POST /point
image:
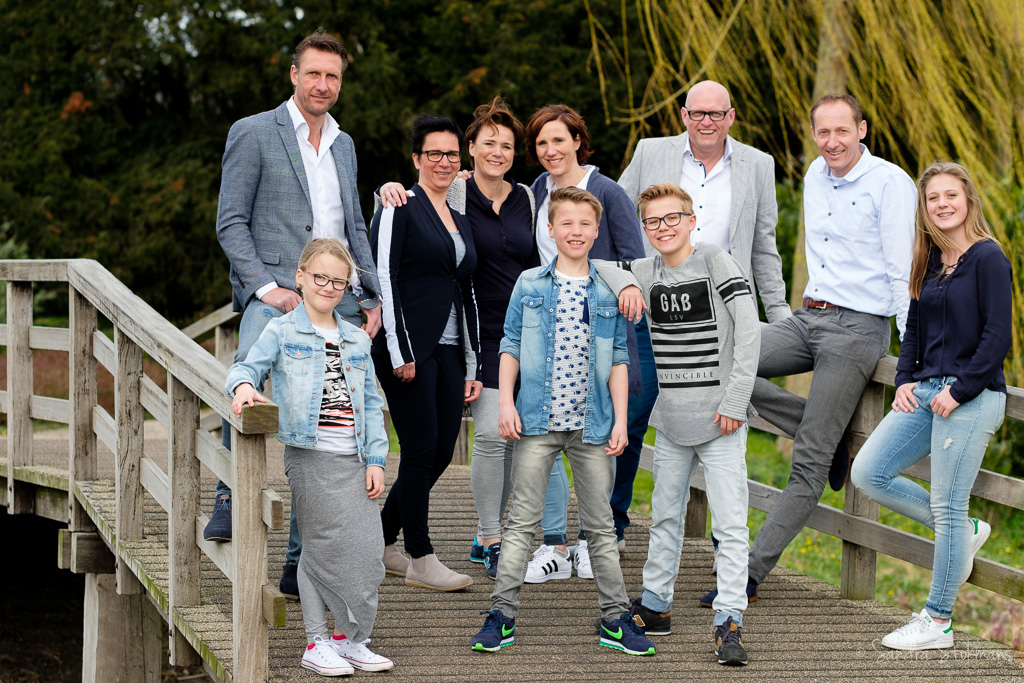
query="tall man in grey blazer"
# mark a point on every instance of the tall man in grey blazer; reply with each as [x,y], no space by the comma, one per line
[289,176]
[733,191]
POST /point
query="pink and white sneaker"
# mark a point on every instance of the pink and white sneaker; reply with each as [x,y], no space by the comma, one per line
[322,658]
[360,656]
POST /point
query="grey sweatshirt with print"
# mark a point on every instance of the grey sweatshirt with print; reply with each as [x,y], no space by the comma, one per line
[705,334]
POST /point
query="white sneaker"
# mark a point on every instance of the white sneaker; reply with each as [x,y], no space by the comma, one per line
[321,657]
[360,656]
[582,561]
[547,564]
[980,531]
[922,633]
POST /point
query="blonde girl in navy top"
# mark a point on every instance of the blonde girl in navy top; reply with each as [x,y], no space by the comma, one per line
[950,391]
[332,426]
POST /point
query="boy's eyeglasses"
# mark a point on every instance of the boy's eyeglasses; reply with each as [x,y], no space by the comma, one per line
[670,219]
[434,155]
[321,280]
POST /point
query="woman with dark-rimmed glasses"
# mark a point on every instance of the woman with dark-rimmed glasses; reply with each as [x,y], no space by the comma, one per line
[501,214]
[426,360]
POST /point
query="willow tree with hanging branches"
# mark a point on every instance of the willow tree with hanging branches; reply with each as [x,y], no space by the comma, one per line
[936,80]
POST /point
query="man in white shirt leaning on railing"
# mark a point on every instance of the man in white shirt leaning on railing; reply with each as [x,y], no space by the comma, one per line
[859,226]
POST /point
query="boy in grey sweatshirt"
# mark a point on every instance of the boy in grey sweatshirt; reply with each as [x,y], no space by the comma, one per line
[706,339]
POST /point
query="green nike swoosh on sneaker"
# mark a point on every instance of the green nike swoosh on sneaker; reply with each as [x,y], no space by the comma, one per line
[506,632]
[614,634]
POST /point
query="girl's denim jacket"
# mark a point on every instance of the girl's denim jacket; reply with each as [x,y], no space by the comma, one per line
[529,337]
[291,350]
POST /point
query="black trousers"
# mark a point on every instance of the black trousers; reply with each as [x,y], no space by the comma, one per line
[427,414]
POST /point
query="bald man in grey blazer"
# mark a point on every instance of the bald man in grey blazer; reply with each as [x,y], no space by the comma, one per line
[732,185]
[733,191]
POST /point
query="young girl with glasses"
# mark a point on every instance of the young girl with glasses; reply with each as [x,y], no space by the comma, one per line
[332,426]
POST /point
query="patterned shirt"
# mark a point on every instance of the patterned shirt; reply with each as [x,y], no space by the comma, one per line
[572,355]
[336,424]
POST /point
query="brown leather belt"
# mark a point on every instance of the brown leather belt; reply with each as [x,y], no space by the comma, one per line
[811,303]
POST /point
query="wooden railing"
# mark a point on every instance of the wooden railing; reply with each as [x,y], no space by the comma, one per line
[857,523]
[193,377]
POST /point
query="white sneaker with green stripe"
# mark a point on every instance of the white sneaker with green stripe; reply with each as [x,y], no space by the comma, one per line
[980,531]
[922,633]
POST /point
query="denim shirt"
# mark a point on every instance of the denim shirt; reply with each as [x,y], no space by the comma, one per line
[295,355]
[529,337]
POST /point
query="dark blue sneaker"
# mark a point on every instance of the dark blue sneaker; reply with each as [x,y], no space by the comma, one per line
[491,560]
[497,632]
[623,634]
[729,644]
[477,551]
[839,471]
[709,599]
[290,580]
[219,526]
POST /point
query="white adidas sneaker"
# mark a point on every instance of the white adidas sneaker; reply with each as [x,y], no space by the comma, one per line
[922,633]
[547,564]
[582,561]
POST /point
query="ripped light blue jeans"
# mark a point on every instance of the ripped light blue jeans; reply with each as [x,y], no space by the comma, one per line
[957,445]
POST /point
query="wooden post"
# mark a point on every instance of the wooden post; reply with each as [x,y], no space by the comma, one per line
[82,379]
[184,554]
[859,563]
[128,415]
[19,394]
[461,455]
[249,538]
[696,524]
[225,343]
[121,635]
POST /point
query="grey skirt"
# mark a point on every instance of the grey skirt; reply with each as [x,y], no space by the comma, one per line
[342,541]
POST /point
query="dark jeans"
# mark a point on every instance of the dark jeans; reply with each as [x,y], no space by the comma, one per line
[427,414]
[639,415]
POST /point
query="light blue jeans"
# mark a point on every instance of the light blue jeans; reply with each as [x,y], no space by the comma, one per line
[725,473]
[957,445]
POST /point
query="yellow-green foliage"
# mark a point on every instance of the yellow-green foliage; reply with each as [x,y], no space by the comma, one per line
[937,81]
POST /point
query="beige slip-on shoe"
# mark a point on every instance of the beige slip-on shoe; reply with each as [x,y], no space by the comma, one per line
[428,572]
[395,561]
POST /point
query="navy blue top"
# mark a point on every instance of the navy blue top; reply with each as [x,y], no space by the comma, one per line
[961,324]
[619,235]
[505,247]
[619,238]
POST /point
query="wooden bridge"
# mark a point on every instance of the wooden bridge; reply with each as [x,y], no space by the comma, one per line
[132,493]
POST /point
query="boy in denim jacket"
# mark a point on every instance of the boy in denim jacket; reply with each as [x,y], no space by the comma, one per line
[565,337]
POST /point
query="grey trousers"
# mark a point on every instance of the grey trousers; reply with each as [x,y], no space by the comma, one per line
[342,543]
[491,467]
[842,347]
[593,475]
